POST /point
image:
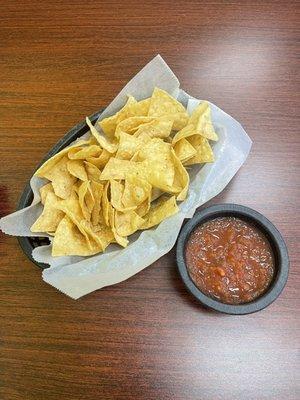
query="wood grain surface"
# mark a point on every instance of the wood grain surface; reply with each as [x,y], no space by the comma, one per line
[147,338]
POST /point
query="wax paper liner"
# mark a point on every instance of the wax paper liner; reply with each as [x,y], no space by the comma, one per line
[78,276]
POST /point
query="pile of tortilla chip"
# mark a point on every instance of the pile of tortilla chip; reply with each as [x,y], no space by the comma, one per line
[126,177]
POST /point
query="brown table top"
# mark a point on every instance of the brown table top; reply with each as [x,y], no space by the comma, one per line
[147,338]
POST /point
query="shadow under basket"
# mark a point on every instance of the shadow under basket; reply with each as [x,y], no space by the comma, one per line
[29,243]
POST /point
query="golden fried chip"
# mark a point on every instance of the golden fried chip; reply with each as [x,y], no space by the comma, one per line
[71,204]
[122,241]
[126,223]
[162,209]
[130,125]
[139,109]
[204,151]
[72,209]
[201,120]
[160,176]
[111,147]
[143,208]
[50,217]
[136,191]
[44,190]
[109,124]
[82,153]
[159,127]
[49,164]
[76,168]
[181,178]
[117,169]
[86,199]
[116,193]
[101,235]
[101,160]
[163,104]
[69,240]
[155,149]
[184,150]
[97,190]
[93,173]
[184,133]
[106,206]
[197,141]
[129,145]
[157,163]
[62,180]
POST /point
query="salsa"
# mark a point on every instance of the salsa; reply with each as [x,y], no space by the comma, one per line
[230,260]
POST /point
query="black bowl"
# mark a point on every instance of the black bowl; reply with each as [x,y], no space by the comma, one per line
[264,225]
[29,243]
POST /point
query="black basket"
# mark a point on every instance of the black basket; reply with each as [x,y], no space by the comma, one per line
[29,243]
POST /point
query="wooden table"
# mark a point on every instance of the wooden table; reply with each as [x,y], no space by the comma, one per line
[147,338]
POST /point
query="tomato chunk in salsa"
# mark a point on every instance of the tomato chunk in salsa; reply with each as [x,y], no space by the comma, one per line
[229,260]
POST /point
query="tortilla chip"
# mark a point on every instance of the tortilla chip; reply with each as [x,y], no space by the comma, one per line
[86,199]
[122,241]
[76,168]
[111,147]
[181,178]
[106,204]
[109,124]
[116,193]
[49,164]
[69,240]
[139,109]
[184,150]
[130,125]
[97,190]
[126,223]
[93,173]
[154,149]
[101,160]
[129,145]
[143,208]
[44,190]
[117,169]
[157,163]
[184,133]
[101,235]
[71,207]
[162,209]
[204,151]
[163,104]
[73,210]
[82,153]
[50,217]
[159,127]
[201,120]
[136,191]
[62,180]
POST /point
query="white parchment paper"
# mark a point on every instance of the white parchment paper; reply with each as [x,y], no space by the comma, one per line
[77,276]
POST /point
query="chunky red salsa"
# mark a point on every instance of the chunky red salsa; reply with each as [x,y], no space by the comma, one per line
[230,260]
